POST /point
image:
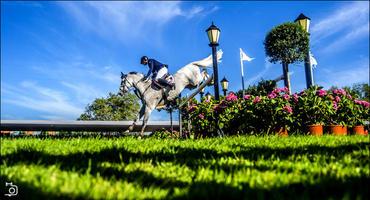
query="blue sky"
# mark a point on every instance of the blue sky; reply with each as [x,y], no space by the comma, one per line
[56,57]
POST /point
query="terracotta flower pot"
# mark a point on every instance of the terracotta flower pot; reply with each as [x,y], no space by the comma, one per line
[358,130]
[338,129]
[282,131]
[316,130]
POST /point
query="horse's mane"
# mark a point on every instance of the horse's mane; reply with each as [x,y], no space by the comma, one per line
[135,73]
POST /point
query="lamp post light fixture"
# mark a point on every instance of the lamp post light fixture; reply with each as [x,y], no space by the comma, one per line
[213,35]
[201,92]
[208,96]
[304,22]
[224,85]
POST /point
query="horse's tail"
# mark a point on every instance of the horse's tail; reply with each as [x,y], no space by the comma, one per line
[207,62]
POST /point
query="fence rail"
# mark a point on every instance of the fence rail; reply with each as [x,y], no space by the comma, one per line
[46,125]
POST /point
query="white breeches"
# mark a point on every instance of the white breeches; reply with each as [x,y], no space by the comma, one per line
[161,73]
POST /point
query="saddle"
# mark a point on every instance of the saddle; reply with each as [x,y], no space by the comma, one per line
[161,83]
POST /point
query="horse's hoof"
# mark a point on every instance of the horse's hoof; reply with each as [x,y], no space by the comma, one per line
[127,131]
[139,137]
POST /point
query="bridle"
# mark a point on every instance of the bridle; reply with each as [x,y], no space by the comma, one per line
[129,85]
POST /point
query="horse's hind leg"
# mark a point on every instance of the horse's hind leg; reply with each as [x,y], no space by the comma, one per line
[139,116]
[145,120]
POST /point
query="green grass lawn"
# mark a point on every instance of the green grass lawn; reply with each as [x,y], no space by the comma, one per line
[250,167]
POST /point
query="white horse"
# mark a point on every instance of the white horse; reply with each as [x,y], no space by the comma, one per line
[189,76]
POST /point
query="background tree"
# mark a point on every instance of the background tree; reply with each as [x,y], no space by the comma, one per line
[287,43]
[357,90]
[112,108]
[362,90]
[263,87]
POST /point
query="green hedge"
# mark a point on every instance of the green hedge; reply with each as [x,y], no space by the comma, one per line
[267,113]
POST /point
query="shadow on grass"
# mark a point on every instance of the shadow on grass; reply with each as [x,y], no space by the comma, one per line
[30,192]
[327,188]
[195,158]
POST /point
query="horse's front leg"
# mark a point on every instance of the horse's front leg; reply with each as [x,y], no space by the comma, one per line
[147,113]
[139,116]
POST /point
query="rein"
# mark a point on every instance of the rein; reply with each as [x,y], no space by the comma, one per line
[133,85]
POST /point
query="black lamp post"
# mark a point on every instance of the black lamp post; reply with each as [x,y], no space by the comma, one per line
[213,35]
[304,21]
[224,85]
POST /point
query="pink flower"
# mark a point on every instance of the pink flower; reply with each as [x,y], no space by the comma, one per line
[337,99]
[220,106]
[286,97]
[363,103]
[276,90]
[321,93]
[340,92]
[295,97]
[349,96]
[366,104]
[207,100]
[288,109]
[231,97]
[192,108]
[285,89]
[201,116]
[247,96]
[335,105]
[256,99]
[272,95]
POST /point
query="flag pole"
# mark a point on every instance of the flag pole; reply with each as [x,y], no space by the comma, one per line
[242,71]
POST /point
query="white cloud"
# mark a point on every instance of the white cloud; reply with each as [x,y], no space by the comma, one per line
[348,23]
[83,92]
[79,84]
[128,20]
[349,38]
[35,97]
[332,77]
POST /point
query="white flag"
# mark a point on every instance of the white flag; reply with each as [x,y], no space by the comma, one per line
[313,61]
[243,56]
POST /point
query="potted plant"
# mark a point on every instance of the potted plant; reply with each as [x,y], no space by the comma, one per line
[341,109]
[311,108]
[279,110]
[360,112]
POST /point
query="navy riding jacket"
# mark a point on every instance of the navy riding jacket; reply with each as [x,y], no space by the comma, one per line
[154,67]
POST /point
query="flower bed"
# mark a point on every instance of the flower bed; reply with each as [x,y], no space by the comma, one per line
[276,110]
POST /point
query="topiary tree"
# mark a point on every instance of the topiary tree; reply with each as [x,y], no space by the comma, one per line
[287,43]
[112,108]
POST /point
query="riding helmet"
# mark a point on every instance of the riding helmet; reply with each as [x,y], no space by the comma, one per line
[143,59]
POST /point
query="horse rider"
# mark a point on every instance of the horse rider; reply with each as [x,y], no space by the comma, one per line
[157,69]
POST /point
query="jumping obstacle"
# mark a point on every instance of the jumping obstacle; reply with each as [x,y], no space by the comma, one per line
[47,125]
[203,85]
